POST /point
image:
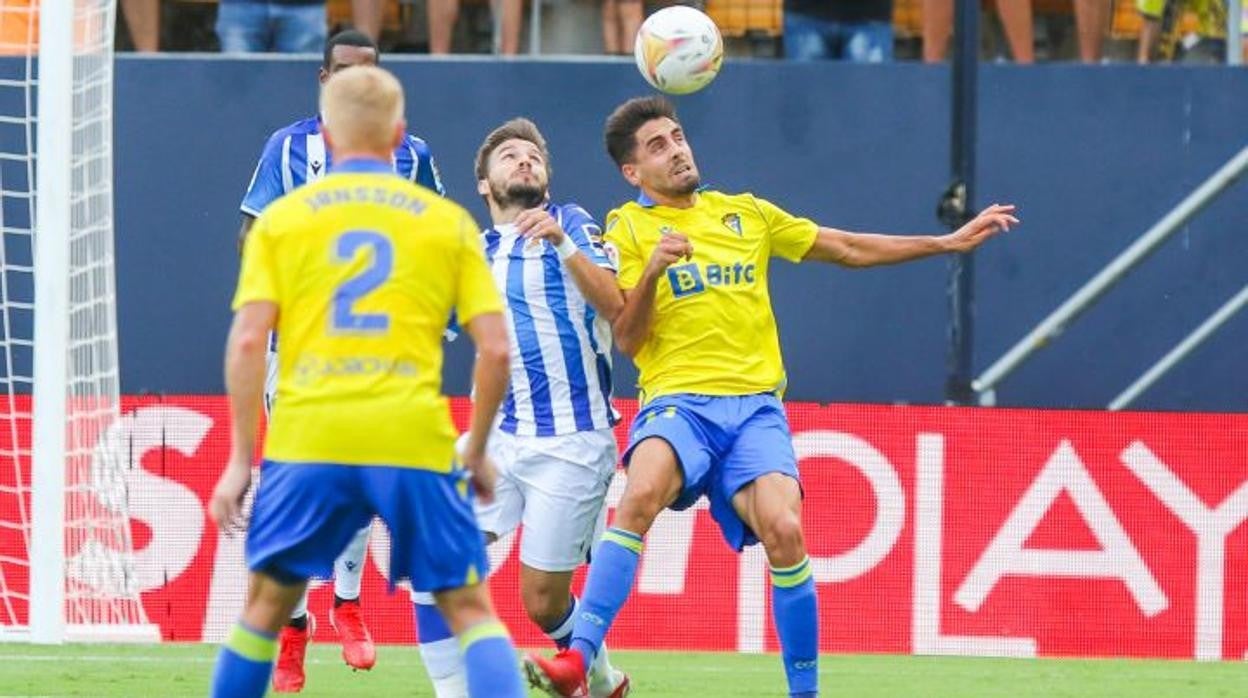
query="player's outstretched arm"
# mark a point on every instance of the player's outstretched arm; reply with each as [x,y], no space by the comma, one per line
[244,382]
[633,324]
[490,374]
[595,283]
[870,250]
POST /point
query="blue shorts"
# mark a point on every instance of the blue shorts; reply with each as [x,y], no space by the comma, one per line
[722,445]
[306,513]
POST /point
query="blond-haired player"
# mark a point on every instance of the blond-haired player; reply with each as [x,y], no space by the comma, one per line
[370,268]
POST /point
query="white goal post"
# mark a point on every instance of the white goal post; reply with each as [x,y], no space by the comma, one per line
[66,552]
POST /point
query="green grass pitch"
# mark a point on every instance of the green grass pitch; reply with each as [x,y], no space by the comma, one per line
[171,670]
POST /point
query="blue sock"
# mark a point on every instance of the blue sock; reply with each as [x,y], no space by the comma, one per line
[430,625]
[244,663]
[561,633]
[796,611]
[490,662]
[610,581]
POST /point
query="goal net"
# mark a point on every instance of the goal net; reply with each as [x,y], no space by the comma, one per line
[66,554]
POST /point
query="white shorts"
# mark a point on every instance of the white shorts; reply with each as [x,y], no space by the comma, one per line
[556,486]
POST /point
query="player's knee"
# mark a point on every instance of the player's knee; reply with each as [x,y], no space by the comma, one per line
[782,536]
[639,506]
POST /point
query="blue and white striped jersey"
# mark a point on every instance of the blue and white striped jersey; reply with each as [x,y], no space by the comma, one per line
[296,155]
[560,348]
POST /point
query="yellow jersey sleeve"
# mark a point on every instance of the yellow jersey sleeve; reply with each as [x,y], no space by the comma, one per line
[476,293]
[621,248]
[791,237]
[257,280]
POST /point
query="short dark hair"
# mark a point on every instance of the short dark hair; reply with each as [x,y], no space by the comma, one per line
[348,37]
[518,127]
[622,125]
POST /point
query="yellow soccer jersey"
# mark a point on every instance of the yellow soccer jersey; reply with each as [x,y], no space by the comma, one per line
[366,268]
[713,331]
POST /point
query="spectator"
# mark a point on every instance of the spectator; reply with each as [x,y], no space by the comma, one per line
[860,31]
[1160,36]
[271,26]
[1015,18]
[143,23]
[620,21]
[444,13]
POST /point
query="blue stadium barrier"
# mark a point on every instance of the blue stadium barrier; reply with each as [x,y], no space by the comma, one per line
[1093,156]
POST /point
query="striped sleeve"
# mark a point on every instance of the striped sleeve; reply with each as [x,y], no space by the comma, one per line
[424,171]
[586,233]
[267,181]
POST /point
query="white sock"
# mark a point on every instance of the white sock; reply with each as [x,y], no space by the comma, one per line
[601,673]
[422,598]
[301,606]
[445,668]
[564,630]
[349,567]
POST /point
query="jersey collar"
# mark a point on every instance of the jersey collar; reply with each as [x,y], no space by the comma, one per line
[364,165]
[646,202]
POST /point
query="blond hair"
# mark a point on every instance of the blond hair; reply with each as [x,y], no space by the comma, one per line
[362,106]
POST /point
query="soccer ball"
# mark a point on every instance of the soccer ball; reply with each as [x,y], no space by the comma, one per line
[678,50]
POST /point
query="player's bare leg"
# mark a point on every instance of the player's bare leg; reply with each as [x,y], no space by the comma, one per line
[772,507]
[246,657]
[358,650]
[654,482]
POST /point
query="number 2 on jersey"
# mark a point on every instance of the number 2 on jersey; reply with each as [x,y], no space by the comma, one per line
[345,319]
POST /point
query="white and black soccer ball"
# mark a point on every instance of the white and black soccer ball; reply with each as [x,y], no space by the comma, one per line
[679,50]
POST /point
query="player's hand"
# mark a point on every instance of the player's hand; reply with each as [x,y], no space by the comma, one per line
[672,248]
[483,475]
[226,506]
[538,224]
[997,218]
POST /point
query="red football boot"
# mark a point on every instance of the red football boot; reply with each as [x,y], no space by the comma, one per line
[288,676]
[358,649]
[562,676]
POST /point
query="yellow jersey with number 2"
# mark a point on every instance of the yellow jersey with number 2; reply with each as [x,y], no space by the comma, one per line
[365,268]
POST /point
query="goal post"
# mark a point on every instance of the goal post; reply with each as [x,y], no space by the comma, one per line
[67,563]
[53,170]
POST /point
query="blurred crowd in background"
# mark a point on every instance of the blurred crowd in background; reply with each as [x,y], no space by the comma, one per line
[872,31]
